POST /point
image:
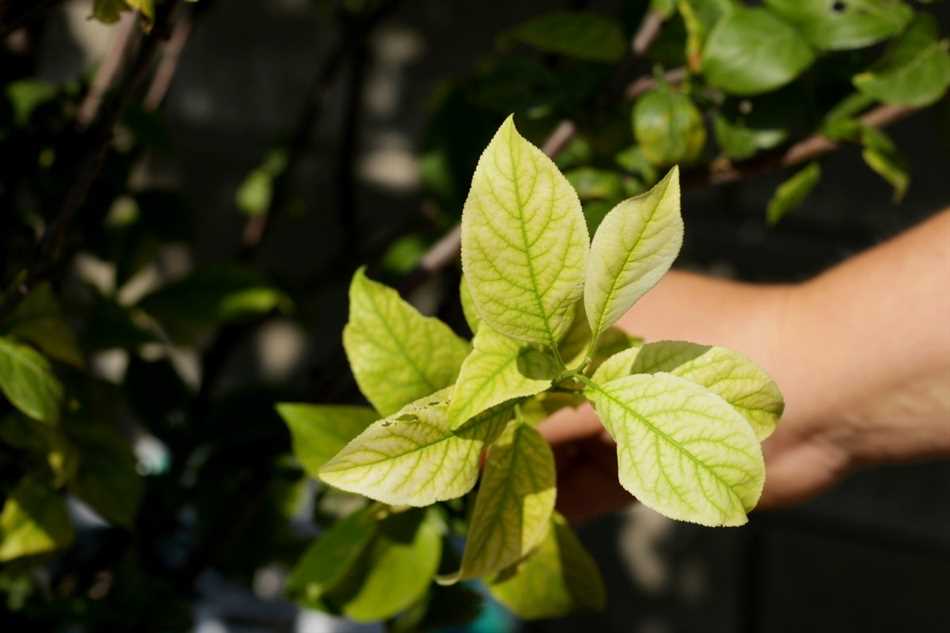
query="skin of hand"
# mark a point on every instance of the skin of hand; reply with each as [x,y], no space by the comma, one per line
[861,354]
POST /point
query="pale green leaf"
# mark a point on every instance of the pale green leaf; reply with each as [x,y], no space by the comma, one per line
[39,320]
[681,450]
[845,24]
[582,35]
[497,370]
[557,579]
[468,308]
[27,381]
[524,241]
[577,339]
[914,70]
[319,431]
[882,156]
[726,373]
[668,127]
[414,457]
[331,557]
[34,521]
[633,248]
[751,51]
[397,355]
[791,194]
[396,570]
[514,504]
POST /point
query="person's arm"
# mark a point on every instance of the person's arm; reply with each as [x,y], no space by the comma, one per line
[861,353]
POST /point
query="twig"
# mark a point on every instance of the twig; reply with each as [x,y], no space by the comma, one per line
[648,32]
[803,151]
[170,56]
[649,82]
[92,144]
[126,38]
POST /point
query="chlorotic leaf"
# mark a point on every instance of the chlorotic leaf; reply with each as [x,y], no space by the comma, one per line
[681,449]
[633,248]
[493,373]
[514,503]
[914,70]
[577,339]
[846,24]
[578,34]
[559,578]
[319,431]
[396,569]
[331,557]
[39,320]
[751,51]
[791,194]
[726,373]
[397,355]
[34,521]
[468,308]
[27,381]
[617,366]
[413,457]
[524,241]
[668,127]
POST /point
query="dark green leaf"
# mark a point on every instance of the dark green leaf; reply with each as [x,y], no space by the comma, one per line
[39,320]
[739,140]
[844,24]
[792,193]
[914,70]
[107,478]
[751,51]
[577,34]
[26,95]
[27,381]
[668,127]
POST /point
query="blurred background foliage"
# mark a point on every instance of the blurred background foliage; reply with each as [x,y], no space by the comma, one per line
[187,188]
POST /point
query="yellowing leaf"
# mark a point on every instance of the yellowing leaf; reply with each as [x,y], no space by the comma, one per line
[557,579]
[413,457]
[633,248]
[397,355]
[493,373]
[617,366]
[319,431]
[34,521]
[524,241]
[681,449]
[513,508]
[668,127]
[27,381]
[726,373]
[468,308]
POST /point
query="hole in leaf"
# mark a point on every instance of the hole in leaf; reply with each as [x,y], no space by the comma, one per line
[839,6]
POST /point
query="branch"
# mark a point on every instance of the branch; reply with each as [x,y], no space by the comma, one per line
[92,143]
[648,32]
[803,151]
[649,82]
[446,250]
